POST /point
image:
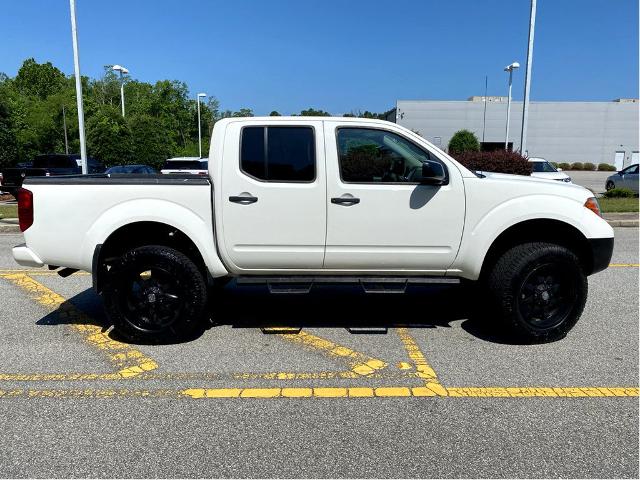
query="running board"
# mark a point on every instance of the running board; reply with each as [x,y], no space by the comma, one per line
[300,284]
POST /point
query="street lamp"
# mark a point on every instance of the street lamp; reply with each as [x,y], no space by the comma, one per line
[510,69]
[122,70]
[198,97]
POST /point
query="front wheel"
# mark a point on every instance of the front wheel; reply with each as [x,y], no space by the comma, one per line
[156,294]
[610,185]
[538,291]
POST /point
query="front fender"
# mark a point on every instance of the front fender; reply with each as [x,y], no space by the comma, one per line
[198,228]
[480,234]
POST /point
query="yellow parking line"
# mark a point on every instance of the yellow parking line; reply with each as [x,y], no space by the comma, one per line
[359,363]
[129,361]
[330,392]
[624,265]
[423,369]
[42,272]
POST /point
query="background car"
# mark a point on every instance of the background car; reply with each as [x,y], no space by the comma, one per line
[190,165]
[543,169]
[131,169]
[48,165]
[627,178]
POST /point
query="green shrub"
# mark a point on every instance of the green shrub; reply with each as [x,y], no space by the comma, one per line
[500,161]
[564,166]
[463,141]
[619,193]
[605,167]
[577,166]
[589,166]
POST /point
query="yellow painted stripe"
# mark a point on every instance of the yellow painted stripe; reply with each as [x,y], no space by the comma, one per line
[40,272]
[423,368]
[129,361]
[331,392]
[624,265]
[359,363]
[543,392]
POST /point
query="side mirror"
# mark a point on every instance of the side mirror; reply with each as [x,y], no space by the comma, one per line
[433,173]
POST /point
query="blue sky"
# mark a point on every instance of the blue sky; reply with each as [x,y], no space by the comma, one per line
[337,55]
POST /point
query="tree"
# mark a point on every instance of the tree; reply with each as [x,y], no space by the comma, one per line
[39,79]
[274,113]
[464,141]
[311,112]
[151,142]
[109,137]
[8,150]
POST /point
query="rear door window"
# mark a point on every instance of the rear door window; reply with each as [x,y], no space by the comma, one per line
[279,154]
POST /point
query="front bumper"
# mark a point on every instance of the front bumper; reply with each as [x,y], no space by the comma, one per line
[601,252]
[26,257]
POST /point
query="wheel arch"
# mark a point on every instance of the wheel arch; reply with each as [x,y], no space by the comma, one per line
[540,230]
[142,233]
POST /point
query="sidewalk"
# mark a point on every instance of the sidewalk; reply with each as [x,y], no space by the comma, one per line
[10,225]
[622,219]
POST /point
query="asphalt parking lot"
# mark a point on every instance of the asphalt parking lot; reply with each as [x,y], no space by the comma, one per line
[435,396]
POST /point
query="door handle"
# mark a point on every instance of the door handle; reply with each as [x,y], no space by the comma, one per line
[243,200]
[345,200]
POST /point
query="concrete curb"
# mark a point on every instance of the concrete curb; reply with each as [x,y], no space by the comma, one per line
[9,225]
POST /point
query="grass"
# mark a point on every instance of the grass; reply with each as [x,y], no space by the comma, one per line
[611,205]
[8,211]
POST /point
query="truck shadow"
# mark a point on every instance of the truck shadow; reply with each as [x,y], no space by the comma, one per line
[323,307]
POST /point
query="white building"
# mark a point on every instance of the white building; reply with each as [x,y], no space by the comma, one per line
[596,132]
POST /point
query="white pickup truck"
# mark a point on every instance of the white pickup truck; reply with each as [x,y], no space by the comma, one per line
[292,202]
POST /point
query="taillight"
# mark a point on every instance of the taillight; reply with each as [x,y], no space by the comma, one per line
[592,204]
[25,208]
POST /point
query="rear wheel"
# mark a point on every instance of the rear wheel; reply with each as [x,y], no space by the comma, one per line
[155,293]
[538,291]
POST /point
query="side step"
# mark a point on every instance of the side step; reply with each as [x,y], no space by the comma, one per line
[370,284]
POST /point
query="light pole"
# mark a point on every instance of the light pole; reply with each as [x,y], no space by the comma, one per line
[527,80]
[198,97]
[122,70]
[510,69]
[76,66]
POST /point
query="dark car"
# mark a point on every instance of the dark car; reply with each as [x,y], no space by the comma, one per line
[131,169]
[48,165]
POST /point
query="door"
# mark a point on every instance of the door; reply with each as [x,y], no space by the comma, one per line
[379,217]
[619,160]
[273,195]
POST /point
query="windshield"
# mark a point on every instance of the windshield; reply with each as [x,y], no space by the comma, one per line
[185,165]
[543,167]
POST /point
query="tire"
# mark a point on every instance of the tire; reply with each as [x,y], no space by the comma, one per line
[155,294]
[610,186]
[538,291]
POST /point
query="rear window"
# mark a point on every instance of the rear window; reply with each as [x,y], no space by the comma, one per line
[185,165]
[279,154]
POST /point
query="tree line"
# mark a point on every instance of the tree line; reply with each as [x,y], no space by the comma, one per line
[160,119]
